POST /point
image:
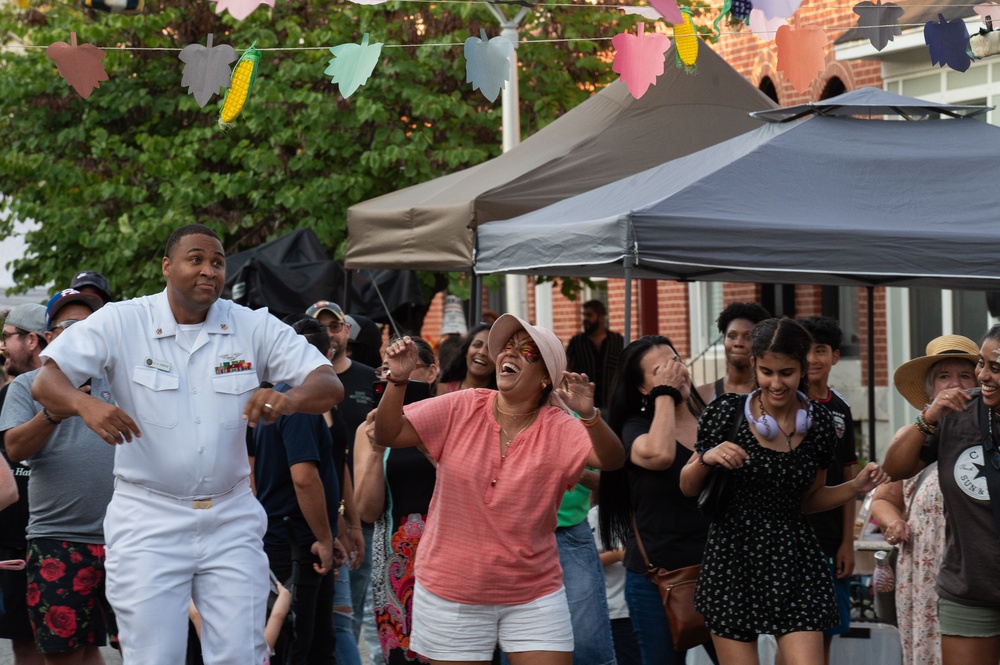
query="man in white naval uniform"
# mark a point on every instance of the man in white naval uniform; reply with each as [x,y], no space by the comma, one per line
[183,524]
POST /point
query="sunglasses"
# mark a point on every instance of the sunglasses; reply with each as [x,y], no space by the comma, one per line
[527,350]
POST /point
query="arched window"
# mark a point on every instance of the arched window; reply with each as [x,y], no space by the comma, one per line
[766,86]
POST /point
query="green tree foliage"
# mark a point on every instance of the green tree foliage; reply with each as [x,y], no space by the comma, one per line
[109,177]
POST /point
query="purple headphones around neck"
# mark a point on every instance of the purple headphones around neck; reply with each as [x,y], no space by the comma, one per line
[767,427]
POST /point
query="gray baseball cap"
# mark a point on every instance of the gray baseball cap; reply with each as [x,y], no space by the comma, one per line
[28,316]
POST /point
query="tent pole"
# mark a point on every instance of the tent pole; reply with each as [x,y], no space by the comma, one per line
[871,372]
[627,333]
[475,299]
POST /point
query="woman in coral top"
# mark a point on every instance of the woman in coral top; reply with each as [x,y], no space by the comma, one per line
[488,568]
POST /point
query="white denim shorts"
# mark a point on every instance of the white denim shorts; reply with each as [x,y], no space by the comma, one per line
[445,630]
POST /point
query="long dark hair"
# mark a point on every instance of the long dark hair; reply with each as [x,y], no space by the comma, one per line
[614,497]
[457,368]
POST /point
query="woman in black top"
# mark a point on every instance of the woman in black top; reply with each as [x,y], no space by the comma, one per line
[654,411]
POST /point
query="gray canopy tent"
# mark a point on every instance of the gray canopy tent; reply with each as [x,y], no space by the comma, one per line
[824,200]
[430,226]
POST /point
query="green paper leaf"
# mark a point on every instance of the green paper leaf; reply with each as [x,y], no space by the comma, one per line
[353,64]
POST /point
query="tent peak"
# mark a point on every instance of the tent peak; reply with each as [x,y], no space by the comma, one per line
[872,102]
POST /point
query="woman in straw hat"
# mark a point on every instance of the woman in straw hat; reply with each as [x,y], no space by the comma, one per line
[488,568]
[911,512]
[959,430]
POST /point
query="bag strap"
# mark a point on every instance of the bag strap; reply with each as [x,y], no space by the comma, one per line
[638,541]
[739,418]
[992,455]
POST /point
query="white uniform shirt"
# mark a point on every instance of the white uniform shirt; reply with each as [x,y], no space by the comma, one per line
[187,399]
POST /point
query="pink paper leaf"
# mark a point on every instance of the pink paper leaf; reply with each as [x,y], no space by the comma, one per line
[801,54]
[669,10]
[81,65]
[639,58]
[989,12]
[240,9]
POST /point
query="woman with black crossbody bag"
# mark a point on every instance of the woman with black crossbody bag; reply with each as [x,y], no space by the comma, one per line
[654,411]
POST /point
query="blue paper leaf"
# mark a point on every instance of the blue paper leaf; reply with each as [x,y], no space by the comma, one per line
[948,43]
[487,63]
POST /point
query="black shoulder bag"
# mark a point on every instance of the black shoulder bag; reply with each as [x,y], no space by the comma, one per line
[714,497]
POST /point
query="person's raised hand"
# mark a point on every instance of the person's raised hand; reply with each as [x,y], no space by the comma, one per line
[402,358]
[577,392]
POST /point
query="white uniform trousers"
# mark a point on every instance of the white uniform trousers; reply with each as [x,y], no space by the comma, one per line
[162,552]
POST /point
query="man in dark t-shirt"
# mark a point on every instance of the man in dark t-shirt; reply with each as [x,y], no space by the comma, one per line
[359,399]
[834,528]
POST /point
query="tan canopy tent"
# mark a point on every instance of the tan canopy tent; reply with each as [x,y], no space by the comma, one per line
[608,137]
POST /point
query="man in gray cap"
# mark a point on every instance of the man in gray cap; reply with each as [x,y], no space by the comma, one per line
[23,338]
[22,341]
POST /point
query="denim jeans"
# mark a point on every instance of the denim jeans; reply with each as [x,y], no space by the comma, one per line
[343,622]
[649,620]
[583,577]
[361,583]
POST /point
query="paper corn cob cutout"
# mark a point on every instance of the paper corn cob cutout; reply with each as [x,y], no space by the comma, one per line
[240,86]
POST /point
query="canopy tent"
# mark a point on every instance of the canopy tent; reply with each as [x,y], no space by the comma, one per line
[824,200]
[610,135]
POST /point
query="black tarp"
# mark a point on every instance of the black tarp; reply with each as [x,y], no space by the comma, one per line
[290,273]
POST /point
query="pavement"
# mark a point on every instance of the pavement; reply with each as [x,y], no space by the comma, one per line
[112,657]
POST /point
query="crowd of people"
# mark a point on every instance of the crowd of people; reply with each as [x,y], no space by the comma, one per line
[258,491]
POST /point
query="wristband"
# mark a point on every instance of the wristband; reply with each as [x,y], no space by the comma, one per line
[400,382]
[666,390]
[592,420]
[52,420]
[701,460]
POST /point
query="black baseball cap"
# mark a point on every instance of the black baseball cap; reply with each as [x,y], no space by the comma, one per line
[93,279]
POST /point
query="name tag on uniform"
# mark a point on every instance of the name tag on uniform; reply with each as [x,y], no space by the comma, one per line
[162,365]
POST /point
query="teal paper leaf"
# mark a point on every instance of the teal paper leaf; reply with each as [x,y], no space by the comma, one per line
[352,64]
[488,63]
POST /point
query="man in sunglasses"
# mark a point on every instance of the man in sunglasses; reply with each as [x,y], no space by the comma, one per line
[359,399]
[71,485]
[22,341]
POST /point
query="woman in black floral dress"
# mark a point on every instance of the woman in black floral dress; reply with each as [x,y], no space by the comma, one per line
[763,570]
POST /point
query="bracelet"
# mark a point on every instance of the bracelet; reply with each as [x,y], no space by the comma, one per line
[701,460]
[401,382]
[592,420]
[666,390]
[923,426]
[52,420]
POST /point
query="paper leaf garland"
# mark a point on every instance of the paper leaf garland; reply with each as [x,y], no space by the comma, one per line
[81,65]
[763,27]
[880,23]
[240,9]
[686,40]
[800,54]
[487,63]
[947,42]
[777,8]
[352,64]
[639,58]
[206,69]
[668,9]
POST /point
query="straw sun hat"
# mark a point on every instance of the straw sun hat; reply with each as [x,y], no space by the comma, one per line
[911,377]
